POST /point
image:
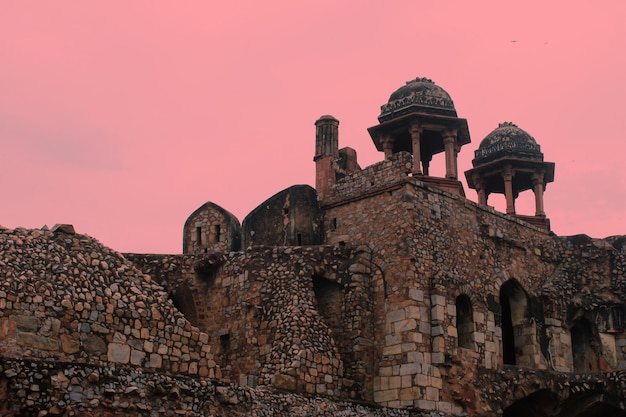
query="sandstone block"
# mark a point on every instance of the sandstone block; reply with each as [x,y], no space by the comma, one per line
[286,382]
[69,344]
[118,353]
[438,300]
[395,315]
[411,393]
[93,344]
[38,342]
[437,313]
[137,357]
[26,323]
[432,394]
[410,368]
[405,325]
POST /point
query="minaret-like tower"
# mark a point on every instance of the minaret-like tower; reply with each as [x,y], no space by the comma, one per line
[326,153]
[509,161]
[420,118]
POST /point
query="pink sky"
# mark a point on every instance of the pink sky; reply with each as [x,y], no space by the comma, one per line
[122,118]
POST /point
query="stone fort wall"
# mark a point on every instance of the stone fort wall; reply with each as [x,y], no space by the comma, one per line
[432,247]
[295,317]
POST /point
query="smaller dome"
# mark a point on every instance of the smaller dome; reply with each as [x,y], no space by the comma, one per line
[507,140]
[420,95]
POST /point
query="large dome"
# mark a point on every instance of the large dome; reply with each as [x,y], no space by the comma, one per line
[507,140]
[420,95]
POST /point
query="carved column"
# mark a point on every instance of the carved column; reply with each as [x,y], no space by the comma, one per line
[449,144]
[416,133]
[538,190]
[387,143]
[508,189]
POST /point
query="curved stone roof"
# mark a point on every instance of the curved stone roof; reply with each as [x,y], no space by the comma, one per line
[420,95]
[507,140]
[327,117]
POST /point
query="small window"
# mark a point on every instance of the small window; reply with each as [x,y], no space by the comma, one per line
[217,232]
[225,342]
[199,235]
[299,238]
[333,224]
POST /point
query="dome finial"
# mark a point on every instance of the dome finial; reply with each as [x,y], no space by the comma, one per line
[505,124]
[420,80]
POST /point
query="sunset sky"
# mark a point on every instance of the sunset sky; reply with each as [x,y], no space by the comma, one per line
[123,117]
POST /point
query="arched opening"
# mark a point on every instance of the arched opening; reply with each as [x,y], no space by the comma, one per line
[545,403]
[586,347]
[541,403]
[465,322]
[592,404]
[514,304]
[183,301]
[329,299]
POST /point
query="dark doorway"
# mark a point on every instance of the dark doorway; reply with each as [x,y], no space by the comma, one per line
[465,322]
[585,347]
[514,304]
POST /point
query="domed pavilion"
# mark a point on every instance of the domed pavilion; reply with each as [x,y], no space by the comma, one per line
[509,161]
[420,118]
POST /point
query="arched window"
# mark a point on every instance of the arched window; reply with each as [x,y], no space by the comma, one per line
[514,304]
[465,322]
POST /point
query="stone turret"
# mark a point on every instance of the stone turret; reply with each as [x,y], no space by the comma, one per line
[331,163]
[326,153]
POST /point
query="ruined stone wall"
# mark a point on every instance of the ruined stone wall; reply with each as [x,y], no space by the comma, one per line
[65,297]
[31,388]
[296,317]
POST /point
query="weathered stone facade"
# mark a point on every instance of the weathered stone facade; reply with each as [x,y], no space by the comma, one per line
[382,292]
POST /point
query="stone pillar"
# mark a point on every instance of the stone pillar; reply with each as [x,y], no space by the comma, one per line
[508,175]
[416,133]
[457,149]
[449,144]
[479,184]
[426,165]
[538,190]
[387,143]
